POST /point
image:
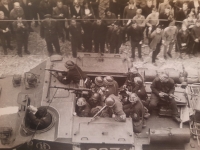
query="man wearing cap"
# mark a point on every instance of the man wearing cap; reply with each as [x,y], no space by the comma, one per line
[136,34]
[162,87]
[111,86]
[49,31]
[38,118]
[82,107]
[114,109]
[169,38]
[114,37]
[74,74]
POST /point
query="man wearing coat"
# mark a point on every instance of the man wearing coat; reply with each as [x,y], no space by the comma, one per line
[17,12]
[6,7]
[49,31]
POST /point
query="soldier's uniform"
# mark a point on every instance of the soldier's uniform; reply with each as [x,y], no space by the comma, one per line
[22,35]
[49,31]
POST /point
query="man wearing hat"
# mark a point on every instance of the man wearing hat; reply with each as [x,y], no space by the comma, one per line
[74,74]
[136,34]
[49,32]
[82,107]
[114,37]
[111,86]
[162,87]
[38,118]
[114,109]
[98,84]
[169,38]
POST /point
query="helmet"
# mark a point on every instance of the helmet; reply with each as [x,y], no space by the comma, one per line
[133,97]
[81,102]
[164,77]
[69,64]
[138,80]
[41,112]
[99,81]
[110,102]
[96,96]
[108,80]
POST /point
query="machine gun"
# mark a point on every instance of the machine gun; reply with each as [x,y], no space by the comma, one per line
[54,70]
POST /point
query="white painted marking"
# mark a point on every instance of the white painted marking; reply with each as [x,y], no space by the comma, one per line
[8,110]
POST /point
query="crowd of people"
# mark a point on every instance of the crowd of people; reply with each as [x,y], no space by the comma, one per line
[107,99]
[103,23]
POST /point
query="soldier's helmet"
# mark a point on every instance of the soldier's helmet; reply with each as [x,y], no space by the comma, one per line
[81,102]
[96,97]
[138,80]
[108,80]
[133,70]
[110,102]
[98,81]
[69,64]
[41,112]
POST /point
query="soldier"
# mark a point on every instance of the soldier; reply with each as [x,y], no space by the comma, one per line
[111,86]
[114,109]
[49,31]
[82,107]
[162,90]
[17,12]
[136,111]
[98,84]
[114,37]
[5,34]
[38,119]
[74,74]
[62,12]
[76,32]
[136,34]
[95,103]
[22,33]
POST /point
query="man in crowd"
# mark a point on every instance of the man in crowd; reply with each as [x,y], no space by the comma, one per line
[76,10]
[6,7]
[62,12]
[99,35]
[76,32]
[46,7]
[129,11]
[165,18]
[5,34]
[162,90]
[140,19]
[114,109]
[49,32]
[111,86]
[17,12]
[169,38]
[148,8]
[22,33]
[196,37]
[95,6]
[162,6]
[114,37]
[136,34]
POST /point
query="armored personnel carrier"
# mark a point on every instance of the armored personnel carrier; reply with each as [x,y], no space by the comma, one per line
[66,131]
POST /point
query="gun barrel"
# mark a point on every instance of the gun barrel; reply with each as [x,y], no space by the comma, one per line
[97,113]
[62,71]
[76,89]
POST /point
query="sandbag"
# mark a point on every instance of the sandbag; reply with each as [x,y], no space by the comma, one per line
[150,75]
[174,74]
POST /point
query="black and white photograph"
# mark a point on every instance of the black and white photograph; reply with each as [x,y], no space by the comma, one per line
[99,74]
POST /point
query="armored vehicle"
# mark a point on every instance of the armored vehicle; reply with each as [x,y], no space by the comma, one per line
[66,131]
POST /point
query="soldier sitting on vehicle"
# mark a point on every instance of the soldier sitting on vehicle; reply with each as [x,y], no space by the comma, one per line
[162,91]
[136,111]
[38,118]
[74,74]
[97,85]
[114,109]
[82,108]
[111,86]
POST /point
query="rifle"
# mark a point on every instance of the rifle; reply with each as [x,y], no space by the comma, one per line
[172,95]
[97,114]
[74,89]
[54,70]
